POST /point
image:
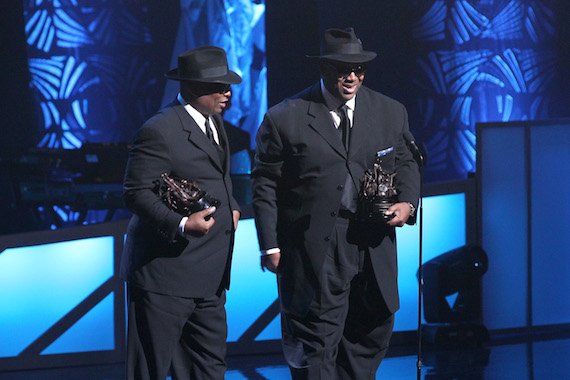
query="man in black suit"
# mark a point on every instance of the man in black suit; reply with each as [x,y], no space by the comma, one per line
[337,274]
[177,266]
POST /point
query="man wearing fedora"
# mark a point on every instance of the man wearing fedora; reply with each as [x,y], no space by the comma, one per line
[177,267]
[337,275]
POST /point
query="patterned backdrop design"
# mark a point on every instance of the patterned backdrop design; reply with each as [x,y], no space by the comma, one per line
[479,61]
[95,77]
[90,73]
[91,63]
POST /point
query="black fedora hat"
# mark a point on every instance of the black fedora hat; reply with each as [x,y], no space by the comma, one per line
[343,46]
[204,64]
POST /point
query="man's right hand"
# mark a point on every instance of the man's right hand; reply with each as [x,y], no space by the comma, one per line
[200,222]
[271,262]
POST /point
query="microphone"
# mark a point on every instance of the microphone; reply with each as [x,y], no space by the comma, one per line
[417,152]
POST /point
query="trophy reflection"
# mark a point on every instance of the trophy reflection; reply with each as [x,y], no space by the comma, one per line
[378,192]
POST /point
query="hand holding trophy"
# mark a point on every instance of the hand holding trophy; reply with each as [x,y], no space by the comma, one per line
[182,196]
[378,192]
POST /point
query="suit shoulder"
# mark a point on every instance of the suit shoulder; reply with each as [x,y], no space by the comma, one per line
[370,95]
[287,105]
[166,114]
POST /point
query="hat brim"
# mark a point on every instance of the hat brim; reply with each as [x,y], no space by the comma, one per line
[229,78]
[365,56]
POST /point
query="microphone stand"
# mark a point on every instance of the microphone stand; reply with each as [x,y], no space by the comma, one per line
[420,159]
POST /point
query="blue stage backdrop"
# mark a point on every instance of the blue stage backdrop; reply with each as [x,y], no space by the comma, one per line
[97,68]
[480,61]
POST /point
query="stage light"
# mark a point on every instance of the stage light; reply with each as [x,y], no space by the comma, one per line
[452,296]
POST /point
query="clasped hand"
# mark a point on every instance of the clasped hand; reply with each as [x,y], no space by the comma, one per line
[401,212]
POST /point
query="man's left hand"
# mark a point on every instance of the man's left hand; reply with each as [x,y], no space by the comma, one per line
[236,215]
[401,212]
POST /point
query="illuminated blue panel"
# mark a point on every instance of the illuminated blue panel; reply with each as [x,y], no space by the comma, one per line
[232,374]
[41,284]
[438,238]
[273,329]
[252,291]
[274,373]
[504,226]
[550,224]
[93,332]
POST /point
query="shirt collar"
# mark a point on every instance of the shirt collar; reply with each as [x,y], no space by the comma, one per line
[193,112]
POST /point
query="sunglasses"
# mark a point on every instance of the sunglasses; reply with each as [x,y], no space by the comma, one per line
[223,88]
[204,88]
[343,71]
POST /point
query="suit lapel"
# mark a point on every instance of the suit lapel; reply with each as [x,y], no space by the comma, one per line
[199,138]
[322,121]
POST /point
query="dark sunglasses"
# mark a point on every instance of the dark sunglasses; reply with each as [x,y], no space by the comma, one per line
[217,88]
[204,88]
[223,88]
[343,71]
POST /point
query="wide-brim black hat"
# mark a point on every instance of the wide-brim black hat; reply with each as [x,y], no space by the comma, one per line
[343,46]
[207,64]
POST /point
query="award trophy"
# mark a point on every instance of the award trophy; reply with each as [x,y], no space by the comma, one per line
[182,196]
[378,192]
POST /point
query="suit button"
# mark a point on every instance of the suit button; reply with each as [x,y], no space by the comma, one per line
[327,238]
[339,187]
[228,232]
[333,213]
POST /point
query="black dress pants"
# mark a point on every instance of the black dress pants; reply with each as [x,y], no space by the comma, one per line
[186,336]
[346,333]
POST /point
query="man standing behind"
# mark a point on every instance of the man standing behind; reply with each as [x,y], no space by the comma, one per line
[337,275]
[177,267]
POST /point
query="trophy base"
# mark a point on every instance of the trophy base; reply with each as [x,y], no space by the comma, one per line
[205,201]
[374,210]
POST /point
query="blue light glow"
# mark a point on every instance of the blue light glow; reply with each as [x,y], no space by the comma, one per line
[252,291]
[93,332]
[41,284]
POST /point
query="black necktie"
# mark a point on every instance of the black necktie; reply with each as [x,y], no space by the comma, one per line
[209,132]
[348,198]
[344,125]
[210,135]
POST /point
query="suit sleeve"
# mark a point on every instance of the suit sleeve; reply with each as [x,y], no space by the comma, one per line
[148,158]
[407,180]
[266,174]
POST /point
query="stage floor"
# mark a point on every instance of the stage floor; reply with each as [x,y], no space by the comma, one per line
[521,358]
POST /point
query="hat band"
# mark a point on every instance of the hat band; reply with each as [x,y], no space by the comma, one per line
[209,72]
[346,49]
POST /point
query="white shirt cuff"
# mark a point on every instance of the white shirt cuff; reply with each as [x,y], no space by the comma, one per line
[182,224]
[270,251]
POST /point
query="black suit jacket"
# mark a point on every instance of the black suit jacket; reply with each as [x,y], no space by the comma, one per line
[156,257]
[298,177]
